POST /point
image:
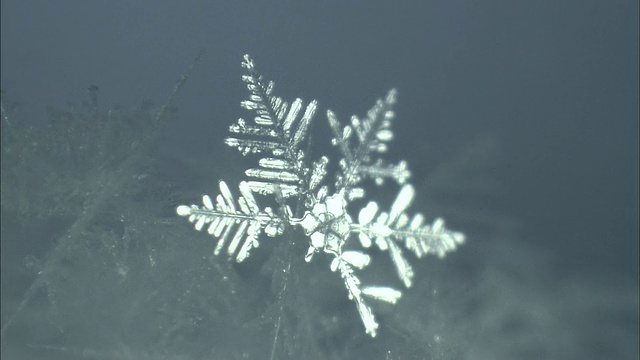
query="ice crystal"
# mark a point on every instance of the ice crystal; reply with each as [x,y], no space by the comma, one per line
[287,172]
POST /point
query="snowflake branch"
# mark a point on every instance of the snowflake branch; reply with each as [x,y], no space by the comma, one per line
[222,217]
[280,128]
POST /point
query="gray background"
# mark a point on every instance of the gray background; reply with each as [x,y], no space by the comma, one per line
[553,85]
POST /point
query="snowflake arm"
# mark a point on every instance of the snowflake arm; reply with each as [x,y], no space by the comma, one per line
[371,136]
[353,287]
[224,219]
[396,225]
[278,128]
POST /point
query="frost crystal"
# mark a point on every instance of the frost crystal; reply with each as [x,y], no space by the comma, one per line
[287,172]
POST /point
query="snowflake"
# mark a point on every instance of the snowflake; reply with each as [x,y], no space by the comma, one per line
[288,173]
